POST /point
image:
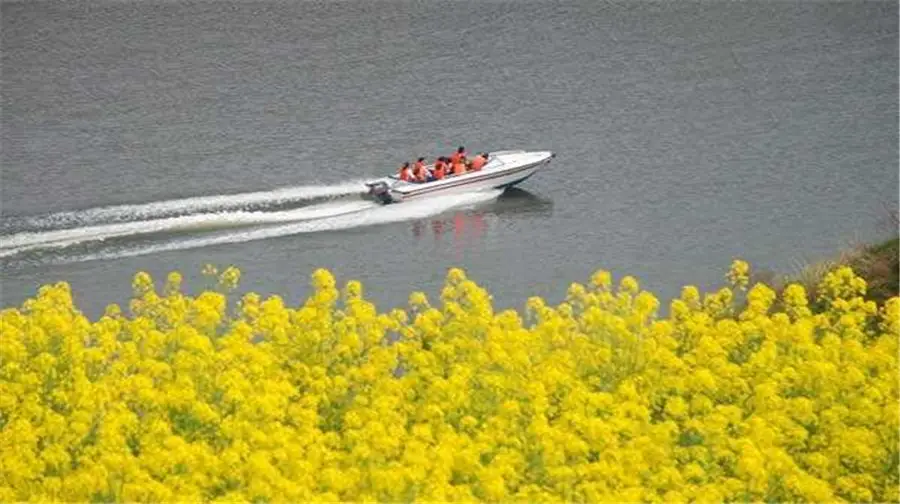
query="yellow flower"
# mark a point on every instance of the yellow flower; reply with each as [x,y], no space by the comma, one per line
[229,278]
[676,407]
[691,296]
[173,283]
[739,274]
[592,399]
[602,280]
[629,284]
[142,283]
[455,276]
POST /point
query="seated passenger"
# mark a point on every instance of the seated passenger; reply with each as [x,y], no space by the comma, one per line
[420,164]
[420,173]
[441,163]
[459,168]
[439,169]
[478,162]
[404,172]
[458,155]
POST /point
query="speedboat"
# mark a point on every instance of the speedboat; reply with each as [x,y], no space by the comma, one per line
[503,169]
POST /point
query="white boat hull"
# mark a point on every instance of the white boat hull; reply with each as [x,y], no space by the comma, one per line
[503,169]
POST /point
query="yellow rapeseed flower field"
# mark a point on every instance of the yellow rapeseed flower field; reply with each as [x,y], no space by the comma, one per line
[733,395]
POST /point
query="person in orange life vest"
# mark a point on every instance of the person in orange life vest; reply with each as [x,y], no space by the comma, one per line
[419,173]
[404,172]
[460,154]
[439,169]
[478,162]
[459,167]
[422,169]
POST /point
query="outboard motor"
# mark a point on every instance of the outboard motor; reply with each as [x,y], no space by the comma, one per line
[380,191]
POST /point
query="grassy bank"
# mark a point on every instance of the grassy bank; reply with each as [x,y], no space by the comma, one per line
[878,264]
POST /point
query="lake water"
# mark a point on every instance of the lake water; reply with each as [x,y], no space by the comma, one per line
[686,134]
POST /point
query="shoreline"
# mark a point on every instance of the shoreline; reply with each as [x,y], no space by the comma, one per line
[877,263]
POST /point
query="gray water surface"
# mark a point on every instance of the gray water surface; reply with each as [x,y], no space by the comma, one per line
[686,134]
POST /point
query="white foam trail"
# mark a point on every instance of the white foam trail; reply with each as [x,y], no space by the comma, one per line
[380,215]
[21,242]
[193,205]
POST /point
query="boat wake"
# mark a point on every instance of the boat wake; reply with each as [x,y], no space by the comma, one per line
[261,200]
[22,242]
[131,230]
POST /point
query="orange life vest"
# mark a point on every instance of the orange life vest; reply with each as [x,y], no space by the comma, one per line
[404,173]
[478,163]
